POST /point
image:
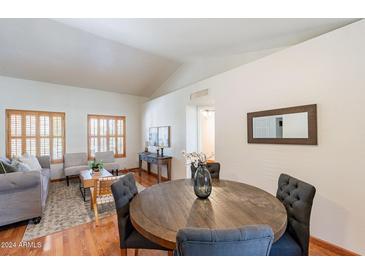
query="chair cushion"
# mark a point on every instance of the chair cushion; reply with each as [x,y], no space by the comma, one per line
[106,157]
[251,240]
[74,170]
[297,197]
[286,246]
[111,166]
[214,169]
[75,159]
[136,240]
[124,190]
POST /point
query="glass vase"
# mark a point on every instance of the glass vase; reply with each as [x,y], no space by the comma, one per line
[202,182]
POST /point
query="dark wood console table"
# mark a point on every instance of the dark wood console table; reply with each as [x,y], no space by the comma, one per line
[153,158]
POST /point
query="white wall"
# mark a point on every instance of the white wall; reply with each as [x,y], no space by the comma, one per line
[77,103]
[328,71]
[168,110]
[199,69]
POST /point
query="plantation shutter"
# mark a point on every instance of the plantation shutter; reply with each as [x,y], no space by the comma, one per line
[106,133]
[36,133]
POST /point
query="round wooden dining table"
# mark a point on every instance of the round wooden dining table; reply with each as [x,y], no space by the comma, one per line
[158,212]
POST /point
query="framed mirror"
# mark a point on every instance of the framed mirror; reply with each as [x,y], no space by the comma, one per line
[294,125]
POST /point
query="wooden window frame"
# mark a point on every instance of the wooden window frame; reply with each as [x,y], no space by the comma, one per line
[116,118]
[23,137]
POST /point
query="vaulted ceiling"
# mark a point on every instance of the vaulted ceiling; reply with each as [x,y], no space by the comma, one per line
[136,56]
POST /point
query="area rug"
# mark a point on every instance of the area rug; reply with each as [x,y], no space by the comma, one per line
[65,208]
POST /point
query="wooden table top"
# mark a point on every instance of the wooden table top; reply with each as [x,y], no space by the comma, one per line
[154,155]
[88,175]
[88,179]
[158,212]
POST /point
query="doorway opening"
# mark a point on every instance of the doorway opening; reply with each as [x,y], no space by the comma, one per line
[206,131]
[200,131]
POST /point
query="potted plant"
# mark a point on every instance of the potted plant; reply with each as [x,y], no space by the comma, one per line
[96,166]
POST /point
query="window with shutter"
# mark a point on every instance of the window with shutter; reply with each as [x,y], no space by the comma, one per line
[37,133]
[106,133]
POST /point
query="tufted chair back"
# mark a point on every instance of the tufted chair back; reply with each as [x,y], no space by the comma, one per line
[123,191]
[213,168]
[250,240]
[297,197]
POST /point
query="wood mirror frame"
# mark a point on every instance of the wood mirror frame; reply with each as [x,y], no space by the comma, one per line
[312,126]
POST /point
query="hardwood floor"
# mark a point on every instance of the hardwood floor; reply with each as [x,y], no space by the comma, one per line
[87,239]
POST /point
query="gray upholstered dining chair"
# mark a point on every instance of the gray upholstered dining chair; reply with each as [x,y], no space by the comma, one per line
[297,197]
[251,240]
[214,169]
[123,191]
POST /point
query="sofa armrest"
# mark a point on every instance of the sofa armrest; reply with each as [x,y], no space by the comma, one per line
[44,161]
[17,181]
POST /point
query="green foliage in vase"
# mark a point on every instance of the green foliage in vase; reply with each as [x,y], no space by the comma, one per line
[96,165]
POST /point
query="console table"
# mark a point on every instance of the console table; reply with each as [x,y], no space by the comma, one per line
[153,158]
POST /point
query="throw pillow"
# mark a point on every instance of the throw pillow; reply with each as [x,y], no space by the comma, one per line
[6,160]
[2,168]
[31,161]
[20,167]
[6,168]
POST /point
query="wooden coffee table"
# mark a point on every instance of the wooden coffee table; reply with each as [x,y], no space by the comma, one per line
[88,180]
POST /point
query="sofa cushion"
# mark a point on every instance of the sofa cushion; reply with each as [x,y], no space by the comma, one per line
[111,166]
[75,170]
[17,181]
[20,204]
[44,161]
[75,159]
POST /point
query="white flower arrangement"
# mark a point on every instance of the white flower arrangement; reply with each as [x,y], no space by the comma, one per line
[195,158]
